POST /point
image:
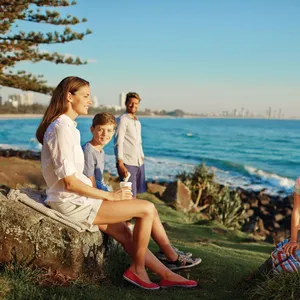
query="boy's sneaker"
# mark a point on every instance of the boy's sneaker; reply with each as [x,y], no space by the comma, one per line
[161,256]
[183,262]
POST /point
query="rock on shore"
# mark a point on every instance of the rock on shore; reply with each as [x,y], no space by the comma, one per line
[29,237]
[267,216]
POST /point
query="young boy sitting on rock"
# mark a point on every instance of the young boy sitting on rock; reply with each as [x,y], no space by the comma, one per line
[103,129]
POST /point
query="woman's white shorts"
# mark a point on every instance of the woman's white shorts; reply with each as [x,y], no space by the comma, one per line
[84,213]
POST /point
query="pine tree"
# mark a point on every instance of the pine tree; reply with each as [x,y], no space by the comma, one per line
[17,45]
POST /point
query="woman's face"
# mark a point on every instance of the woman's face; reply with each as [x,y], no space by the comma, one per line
[81,100]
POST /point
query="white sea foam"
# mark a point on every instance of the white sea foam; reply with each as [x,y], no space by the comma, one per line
[36,144]
[189,134]
[33,146]
[156,168]
[271,178]
[163,169]
[10,146]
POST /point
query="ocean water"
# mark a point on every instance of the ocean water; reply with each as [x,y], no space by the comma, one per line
[249,153]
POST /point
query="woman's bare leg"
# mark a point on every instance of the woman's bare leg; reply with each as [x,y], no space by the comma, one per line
[143,211]
[159,235]
[121,233]
[158,232]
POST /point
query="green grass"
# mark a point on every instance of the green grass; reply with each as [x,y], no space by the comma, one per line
[226,260]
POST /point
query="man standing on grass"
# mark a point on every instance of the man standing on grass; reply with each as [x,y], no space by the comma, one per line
[128,146]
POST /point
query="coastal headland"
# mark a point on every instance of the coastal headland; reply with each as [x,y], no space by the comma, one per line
[267,217]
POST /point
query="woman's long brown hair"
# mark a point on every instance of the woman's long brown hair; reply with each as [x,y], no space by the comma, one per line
[58,102]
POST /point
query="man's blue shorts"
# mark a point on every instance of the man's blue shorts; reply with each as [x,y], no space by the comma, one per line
[137,178]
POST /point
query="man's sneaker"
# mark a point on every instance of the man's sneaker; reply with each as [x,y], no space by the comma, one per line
[161,256]
[183,262]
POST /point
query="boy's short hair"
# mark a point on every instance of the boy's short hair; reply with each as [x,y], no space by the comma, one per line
[132,95]
[104,119]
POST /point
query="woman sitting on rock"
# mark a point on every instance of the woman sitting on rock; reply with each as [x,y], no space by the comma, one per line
[71,193]
[286,256]
[293,244]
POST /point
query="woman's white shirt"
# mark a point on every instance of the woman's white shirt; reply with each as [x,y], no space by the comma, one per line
[62,156]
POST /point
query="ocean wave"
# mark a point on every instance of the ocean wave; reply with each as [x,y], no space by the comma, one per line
[189,134]
[10,146]
[234,175]
[270,178]
[36,144]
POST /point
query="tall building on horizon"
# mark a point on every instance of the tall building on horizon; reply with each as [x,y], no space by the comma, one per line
[15,99]
[242,113]
[122,99]
[95,102]
[270,112]
[27,99]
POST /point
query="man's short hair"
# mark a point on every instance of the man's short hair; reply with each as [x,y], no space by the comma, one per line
[104,119]
[132,95]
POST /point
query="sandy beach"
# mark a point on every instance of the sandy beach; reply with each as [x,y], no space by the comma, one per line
[16,172]
[36,116]
[19,116]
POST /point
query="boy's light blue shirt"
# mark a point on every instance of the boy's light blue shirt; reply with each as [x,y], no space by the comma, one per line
[94,165]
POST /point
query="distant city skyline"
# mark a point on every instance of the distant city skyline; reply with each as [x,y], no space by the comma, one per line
[198,56]
[28,99]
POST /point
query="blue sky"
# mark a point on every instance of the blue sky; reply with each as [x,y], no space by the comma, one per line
[196,55]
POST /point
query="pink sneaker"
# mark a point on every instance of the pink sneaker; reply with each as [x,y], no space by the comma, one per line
[131,277]
[164,283]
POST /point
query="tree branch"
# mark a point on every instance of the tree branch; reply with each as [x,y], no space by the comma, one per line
[52,38]
[26,82]
[24,46]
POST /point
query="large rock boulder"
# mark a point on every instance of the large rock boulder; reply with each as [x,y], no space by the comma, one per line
[28,236]
[156,189]
[178,196]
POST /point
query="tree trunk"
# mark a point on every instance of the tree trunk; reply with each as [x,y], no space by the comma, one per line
[198,197]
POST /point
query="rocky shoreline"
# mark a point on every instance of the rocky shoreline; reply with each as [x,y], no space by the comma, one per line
[24,154]
[267,217]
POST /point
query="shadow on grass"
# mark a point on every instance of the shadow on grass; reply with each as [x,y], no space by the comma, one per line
[205,235]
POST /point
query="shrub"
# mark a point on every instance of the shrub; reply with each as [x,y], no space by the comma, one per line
[200,182]
[277,287]
[227,208]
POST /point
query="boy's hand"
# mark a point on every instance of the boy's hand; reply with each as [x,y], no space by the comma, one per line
[290,247]
[122,194]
